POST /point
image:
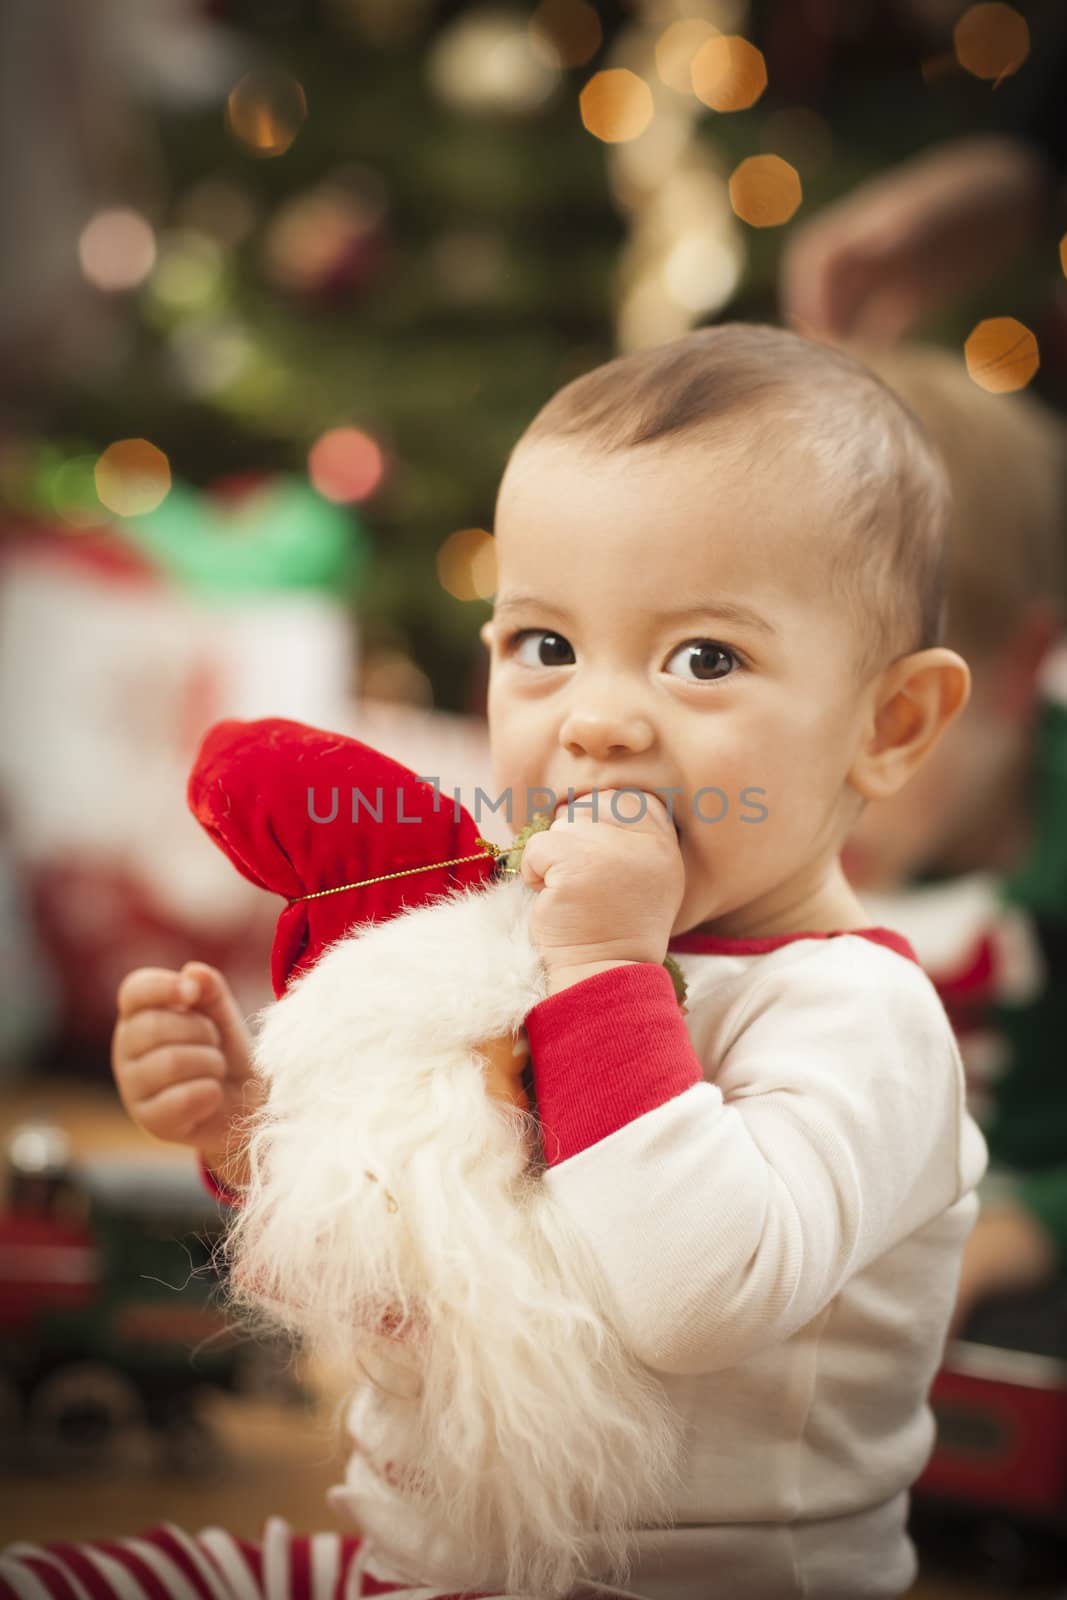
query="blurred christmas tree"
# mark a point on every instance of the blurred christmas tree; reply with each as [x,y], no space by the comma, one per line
[396,235]
[362,241]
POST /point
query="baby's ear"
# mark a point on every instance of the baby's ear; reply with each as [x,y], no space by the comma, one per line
[485,633]
[912,704]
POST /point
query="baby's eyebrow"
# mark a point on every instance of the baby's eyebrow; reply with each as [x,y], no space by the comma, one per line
[730,611]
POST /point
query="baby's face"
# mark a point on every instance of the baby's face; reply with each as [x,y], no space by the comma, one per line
[661,622]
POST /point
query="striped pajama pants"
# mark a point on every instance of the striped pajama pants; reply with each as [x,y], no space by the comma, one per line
[167,1564]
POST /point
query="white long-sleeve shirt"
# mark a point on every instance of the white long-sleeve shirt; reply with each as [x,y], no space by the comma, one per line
[777,1188]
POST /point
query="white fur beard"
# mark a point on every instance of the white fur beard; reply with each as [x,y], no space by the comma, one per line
[510,1438]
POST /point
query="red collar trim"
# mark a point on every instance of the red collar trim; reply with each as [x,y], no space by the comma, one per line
[715,944]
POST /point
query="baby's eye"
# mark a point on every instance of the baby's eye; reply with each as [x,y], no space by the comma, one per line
[708,660]
[550,649]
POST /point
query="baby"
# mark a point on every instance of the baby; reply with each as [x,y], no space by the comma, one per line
[715,638]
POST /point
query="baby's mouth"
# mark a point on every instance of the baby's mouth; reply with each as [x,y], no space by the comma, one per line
[562,805]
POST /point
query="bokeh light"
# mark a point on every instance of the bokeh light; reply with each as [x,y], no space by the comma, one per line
[188,275]
[649,315]
[132,477]
[265,111]
[991,40]
[210,353]
[71,490]
[466,564]
[729,74]
[320,240]
[263,391]
[701,272]
[641,166]
[616,105]
[487,62]
[565,33]
[345,465]
[765,191]
[1001,355]
[117,249]
[676,47]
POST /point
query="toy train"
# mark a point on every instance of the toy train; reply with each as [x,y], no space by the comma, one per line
[997,1478]
[111,1309]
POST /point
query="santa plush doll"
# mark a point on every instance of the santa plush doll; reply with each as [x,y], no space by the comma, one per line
[396,1218]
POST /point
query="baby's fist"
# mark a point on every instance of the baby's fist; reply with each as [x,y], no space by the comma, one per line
[611,882]
[181,1055]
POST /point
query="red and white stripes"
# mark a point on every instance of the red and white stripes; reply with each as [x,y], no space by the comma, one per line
[167,1564]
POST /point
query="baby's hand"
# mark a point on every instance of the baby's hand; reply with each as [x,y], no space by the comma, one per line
[610,889]
[182,1059]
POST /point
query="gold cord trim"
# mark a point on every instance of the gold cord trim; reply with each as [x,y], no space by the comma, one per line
[491,851]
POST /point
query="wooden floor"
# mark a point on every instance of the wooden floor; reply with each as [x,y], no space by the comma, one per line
[271,1458]
[274,1463]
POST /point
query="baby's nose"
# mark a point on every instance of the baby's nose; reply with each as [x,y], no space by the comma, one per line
[604,733]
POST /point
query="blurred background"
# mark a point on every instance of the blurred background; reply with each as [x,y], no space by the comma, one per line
[282,281]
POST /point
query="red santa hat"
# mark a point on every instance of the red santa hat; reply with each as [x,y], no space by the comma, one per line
[396,1217]
[345,834]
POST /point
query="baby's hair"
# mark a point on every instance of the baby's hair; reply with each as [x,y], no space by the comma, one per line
[768,393]
[1007,464]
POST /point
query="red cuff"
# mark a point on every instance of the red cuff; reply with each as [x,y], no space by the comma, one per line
[215,1185]
[606,1051]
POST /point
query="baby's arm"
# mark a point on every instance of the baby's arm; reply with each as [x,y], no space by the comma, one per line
[182,1059]
[725,1215]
